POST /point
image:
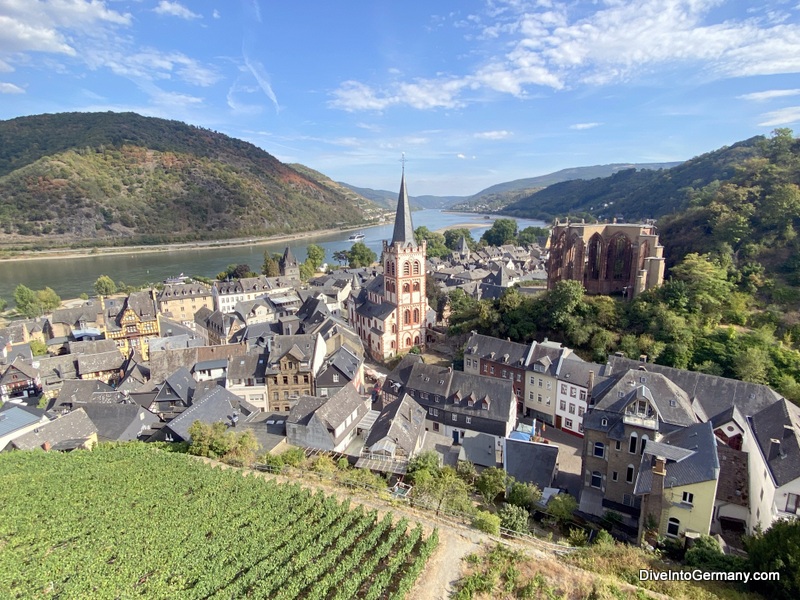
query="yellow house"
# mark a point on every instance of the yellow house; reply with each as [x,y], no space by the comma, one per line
[131,321]
[677,482]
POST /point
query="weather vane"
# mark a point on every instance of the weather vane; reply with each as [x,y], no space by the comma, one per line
[403,160]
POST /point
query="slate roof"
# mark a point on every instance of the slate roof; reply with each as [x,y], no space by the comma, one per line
[344,361]
[577,372]
[88,312]
[119,422]
[780,422]
[497,350]
[178,387]
[373,310]
[530,462]
[458,388]
[403,232]
[213,407]
[304,409]
[671,402]
[733,485]
[92,347]
[64,433]
[713,393]
[341,405]
[172,291]
[97,363]
[77,391]
[252,365]
[396,380]
[479,449]
[693,458]
[300,346]
[23,366]
[400,424]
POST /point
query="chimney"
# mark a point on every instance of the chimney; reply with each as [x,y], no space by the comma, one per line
[590,385]
[653,503]
[643,358]
[774,449]
[788,431]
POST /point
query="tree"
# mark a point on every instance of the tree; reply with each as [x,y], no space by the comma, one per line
[514,518]
[105,286]
[502,231]
[48,300]
[424,461]
[561,507]
[777,549]
[522,494]
[533,235]
[491,483]
[3,304]
[435,241]
[270,268]
[361,256]
[442,489]
[26,301]
[452,238]
[466,470]
[341,256]
[315,255]
[486,522]
[38,347]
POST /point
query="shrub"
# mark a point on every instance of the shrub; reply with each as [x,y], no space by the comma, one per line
[514,518]
[577,537]
[603,538]
[486,522]
[707,555]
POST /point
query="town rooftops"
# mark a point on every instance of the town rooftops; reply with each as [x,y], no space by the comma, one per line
[776,432]
[71,431]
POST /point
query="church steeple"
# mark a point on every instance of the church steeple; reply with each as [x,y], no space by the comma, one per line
[403,228]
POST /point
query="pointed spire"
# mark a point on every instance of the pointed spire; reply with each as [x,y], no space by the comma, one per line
[288,257]
[403,228]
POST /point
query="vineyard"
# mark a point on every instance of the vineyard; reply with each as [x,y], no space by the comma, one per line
[133,521]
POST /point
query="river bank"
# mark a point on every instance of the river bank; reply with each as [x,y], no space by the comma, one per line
[73,253]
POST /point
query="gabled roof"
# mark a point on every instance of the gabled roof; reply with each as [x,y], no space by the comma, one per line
[691,457]
[341,405]
[779,422]
[304,409]
[670,401]
[497,350]
[479,449]
[96,363]
[214,407]
[530,462]
[119,422]
[714,393]
[300,347]
[23,367]
[400,424]
[64,433]
[77,391]
[179,386]
[251,365]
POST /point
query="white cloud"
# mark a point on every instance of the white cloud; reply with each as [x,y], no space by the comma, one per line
[769,95]
[559,45]
[580,126]
[38,26]
[216,14]
[152,64]
[258,71]
[10,88]
[175,9]
[493,135]
[461,156]
[783,116]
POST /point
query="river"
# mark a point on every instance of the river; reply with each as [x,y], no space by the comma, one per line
[70,277]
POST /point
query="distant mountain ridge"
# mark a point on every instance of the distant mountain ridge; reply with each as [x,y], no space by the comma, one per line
[499,195]
[124,178]
[633,194]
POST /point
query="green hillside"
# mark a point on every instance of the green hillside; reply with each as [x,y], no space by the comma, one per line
[77,178]
[633,194]
[496,197]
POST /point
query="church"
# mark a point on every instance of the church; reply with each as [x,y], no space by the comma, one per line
[390,312]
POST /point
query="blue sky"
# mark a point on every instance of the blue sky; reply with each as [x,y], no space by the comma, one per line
[474,92]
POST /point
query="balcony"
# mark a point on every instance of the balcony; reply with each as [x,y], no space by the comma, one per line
[649,422]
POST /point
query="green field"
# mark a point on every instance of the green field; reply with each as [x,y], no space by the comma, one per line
[133,521]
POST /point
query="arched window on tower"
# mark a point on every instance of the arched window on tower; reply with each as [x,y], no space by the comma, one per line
[408,341]
[390,267]
[394,329]
[407,317]
[416,286]
[416,267]
[406,268]
[416,340]
[416,315]
[406,288]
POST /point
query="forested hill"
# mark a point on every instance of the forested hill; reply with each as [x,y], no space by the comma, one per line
[125,178]
[633,194]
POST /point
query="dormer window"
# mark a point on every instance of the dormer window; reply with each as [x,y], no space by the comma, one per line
[604,422]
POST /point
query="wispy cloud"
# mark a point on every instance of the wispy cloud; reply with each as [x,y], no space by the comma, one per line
[769,95]
[10,88]
[493,135]
[216,14]
[553,46]
[175,9]
[783,116]
[580,126]
[260,74]
[152,64]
